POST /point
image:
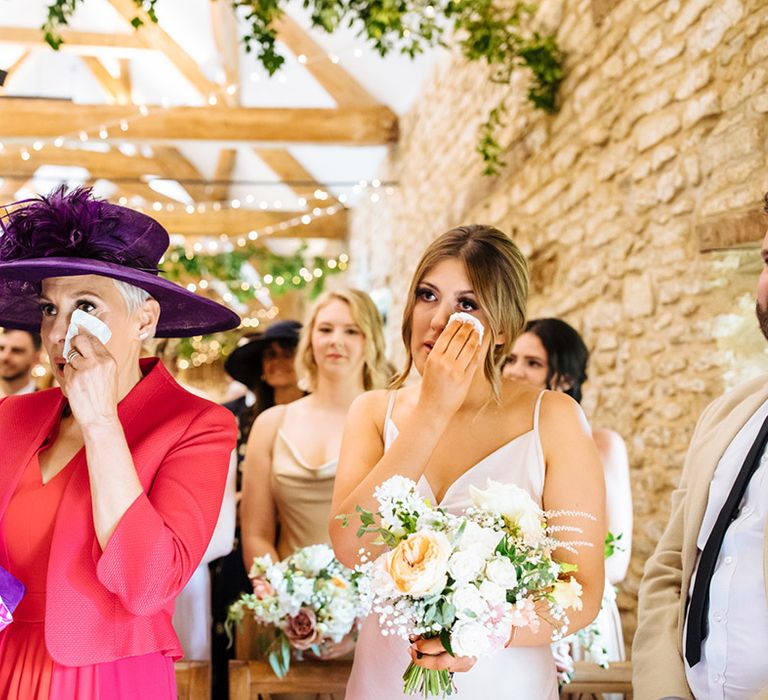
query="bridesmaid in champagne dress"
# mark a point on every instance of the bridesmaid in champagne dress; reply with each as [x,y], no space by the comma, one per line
[292,452]
[459,426]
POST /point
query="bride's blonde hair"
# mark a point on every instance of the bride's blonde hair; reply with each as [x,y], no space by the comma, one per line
[499,276]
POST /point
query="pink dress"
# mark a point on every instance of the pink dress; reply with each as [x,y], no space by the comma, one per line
[27,672]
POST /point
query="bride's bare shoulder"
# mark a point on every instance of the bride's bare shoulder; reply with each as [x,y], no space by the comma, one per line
[517,395]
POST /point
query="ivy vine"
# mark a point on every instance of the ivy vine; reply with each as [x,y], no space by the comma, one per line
[497,32]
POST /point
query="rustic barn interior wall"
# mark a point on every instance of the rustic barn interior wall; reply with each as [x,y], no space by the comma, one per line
[638,206]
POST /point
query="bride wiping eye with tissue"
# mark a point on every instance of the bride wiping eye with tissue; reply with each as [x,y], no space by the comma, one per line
[459,426]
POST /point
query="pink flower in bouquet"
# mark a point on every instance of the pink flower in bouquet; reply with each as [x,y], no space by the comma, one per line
[301,629]
[262,588]
[498,620]
[524,614]
[5,615]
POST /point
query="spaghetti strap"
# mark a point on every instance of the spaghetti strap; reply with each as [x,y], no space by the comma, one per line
[537,410]
[390,406]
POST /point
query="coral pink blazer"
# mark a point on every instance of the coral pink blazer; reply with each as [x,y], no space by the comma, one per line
[106,605]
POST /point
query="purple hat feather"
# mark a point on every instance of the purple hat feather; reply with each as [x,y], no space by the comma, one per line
[73,233]
[75,225]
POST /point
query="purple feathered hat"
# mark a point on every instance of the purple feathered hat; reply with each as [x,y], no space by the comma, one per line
[73,233]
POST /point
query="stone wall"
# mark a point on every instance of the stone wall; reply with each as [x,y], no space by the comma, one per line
[659,152]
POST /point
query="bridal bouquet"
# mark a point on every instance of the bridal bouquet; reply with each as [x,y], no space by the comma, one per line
[11,593]
[310,598]
[468,579]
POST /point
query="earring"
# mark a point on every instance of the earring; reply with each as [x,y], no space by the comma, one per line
[143,335]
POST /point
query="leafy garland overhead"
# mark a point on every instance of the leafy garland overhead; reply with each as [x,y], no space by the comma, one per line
[278,273]
[494,31]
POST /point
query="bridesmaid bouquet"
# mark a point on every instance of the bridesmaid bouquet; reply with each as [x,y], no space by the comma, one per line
[11,593]
[310,598]
[468,579]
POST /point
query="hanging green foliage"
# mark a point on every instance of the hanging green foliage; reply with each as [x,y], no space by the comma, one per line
[497,32]
[278,273]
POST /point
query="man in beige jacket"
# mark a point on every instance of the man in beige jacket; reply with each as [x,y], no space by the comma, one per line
[703,603]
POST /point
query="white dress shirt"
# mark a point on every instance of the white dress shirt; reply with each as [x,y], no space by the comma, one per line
[29,388]
[734,655]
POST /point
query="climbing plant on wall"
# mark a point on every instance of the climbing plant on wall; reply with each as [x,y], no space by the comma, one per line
[496,32]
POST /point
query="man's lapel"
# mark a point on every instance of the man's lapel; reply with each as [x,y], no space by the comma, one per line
[709,449]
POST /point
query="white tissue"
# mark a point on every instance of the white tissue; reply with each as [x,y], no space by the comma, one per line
[464,317]
[93,325]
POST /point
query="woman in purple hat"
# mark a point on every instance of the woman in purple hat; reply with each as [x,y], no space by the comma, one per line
[123,470]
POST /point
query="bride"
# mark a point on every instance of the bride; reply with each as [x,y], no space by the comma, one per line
[459,426]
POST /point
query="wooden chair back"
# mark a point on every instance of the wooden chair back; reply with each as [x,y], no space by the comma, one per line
[251,680]
[193,680]
[590,681]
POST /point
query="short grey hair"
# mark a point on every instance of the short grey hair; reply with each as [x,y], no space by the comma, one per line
[134,296]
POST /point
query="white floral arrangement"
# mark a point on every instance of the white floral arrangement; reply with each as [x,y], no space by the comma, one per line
[468,579]
[310,598]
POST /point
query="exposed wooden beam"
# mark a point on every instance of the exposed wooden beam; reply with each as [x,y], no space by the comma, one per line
[224,168]
[281,162]
[107,166]
[153,36]
[115,88]
[339,84]
[176,165]
[73,40]
[33,118]
[10,70]
[140,189]
[237,222]
[739,229]
[225,34]
[124,79]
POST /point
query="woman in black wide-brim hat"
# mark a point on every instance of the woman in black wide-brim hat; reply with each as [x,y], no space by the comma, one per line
[123,469]
[264,364]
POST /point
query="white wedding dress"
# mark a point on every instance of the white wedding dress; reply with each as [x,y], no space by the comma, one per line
[516,673]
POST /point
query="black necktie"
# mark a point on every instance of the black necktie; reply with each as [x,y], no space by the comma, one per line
[696,629]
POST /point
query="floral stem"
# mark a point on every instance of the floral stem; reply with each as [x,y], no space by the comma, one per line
[427,682]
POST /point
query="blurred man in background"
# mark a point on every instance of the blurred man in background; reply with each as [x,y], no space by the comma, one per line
[19,353]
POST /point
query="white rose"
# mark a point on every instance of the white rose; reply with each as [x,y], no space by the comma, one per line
[502,572]
[513,503]
[470,638]
[465,566]
[396,488]
[567,594]
[492,592]
[482,540]
[468,602]
[315,558]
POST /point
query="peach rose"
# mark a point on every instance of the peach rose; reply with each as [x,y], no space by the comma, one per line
[418,565]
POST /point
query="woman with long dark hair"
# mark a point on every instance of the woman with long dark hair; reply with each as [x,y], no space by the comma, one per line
[552,355]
